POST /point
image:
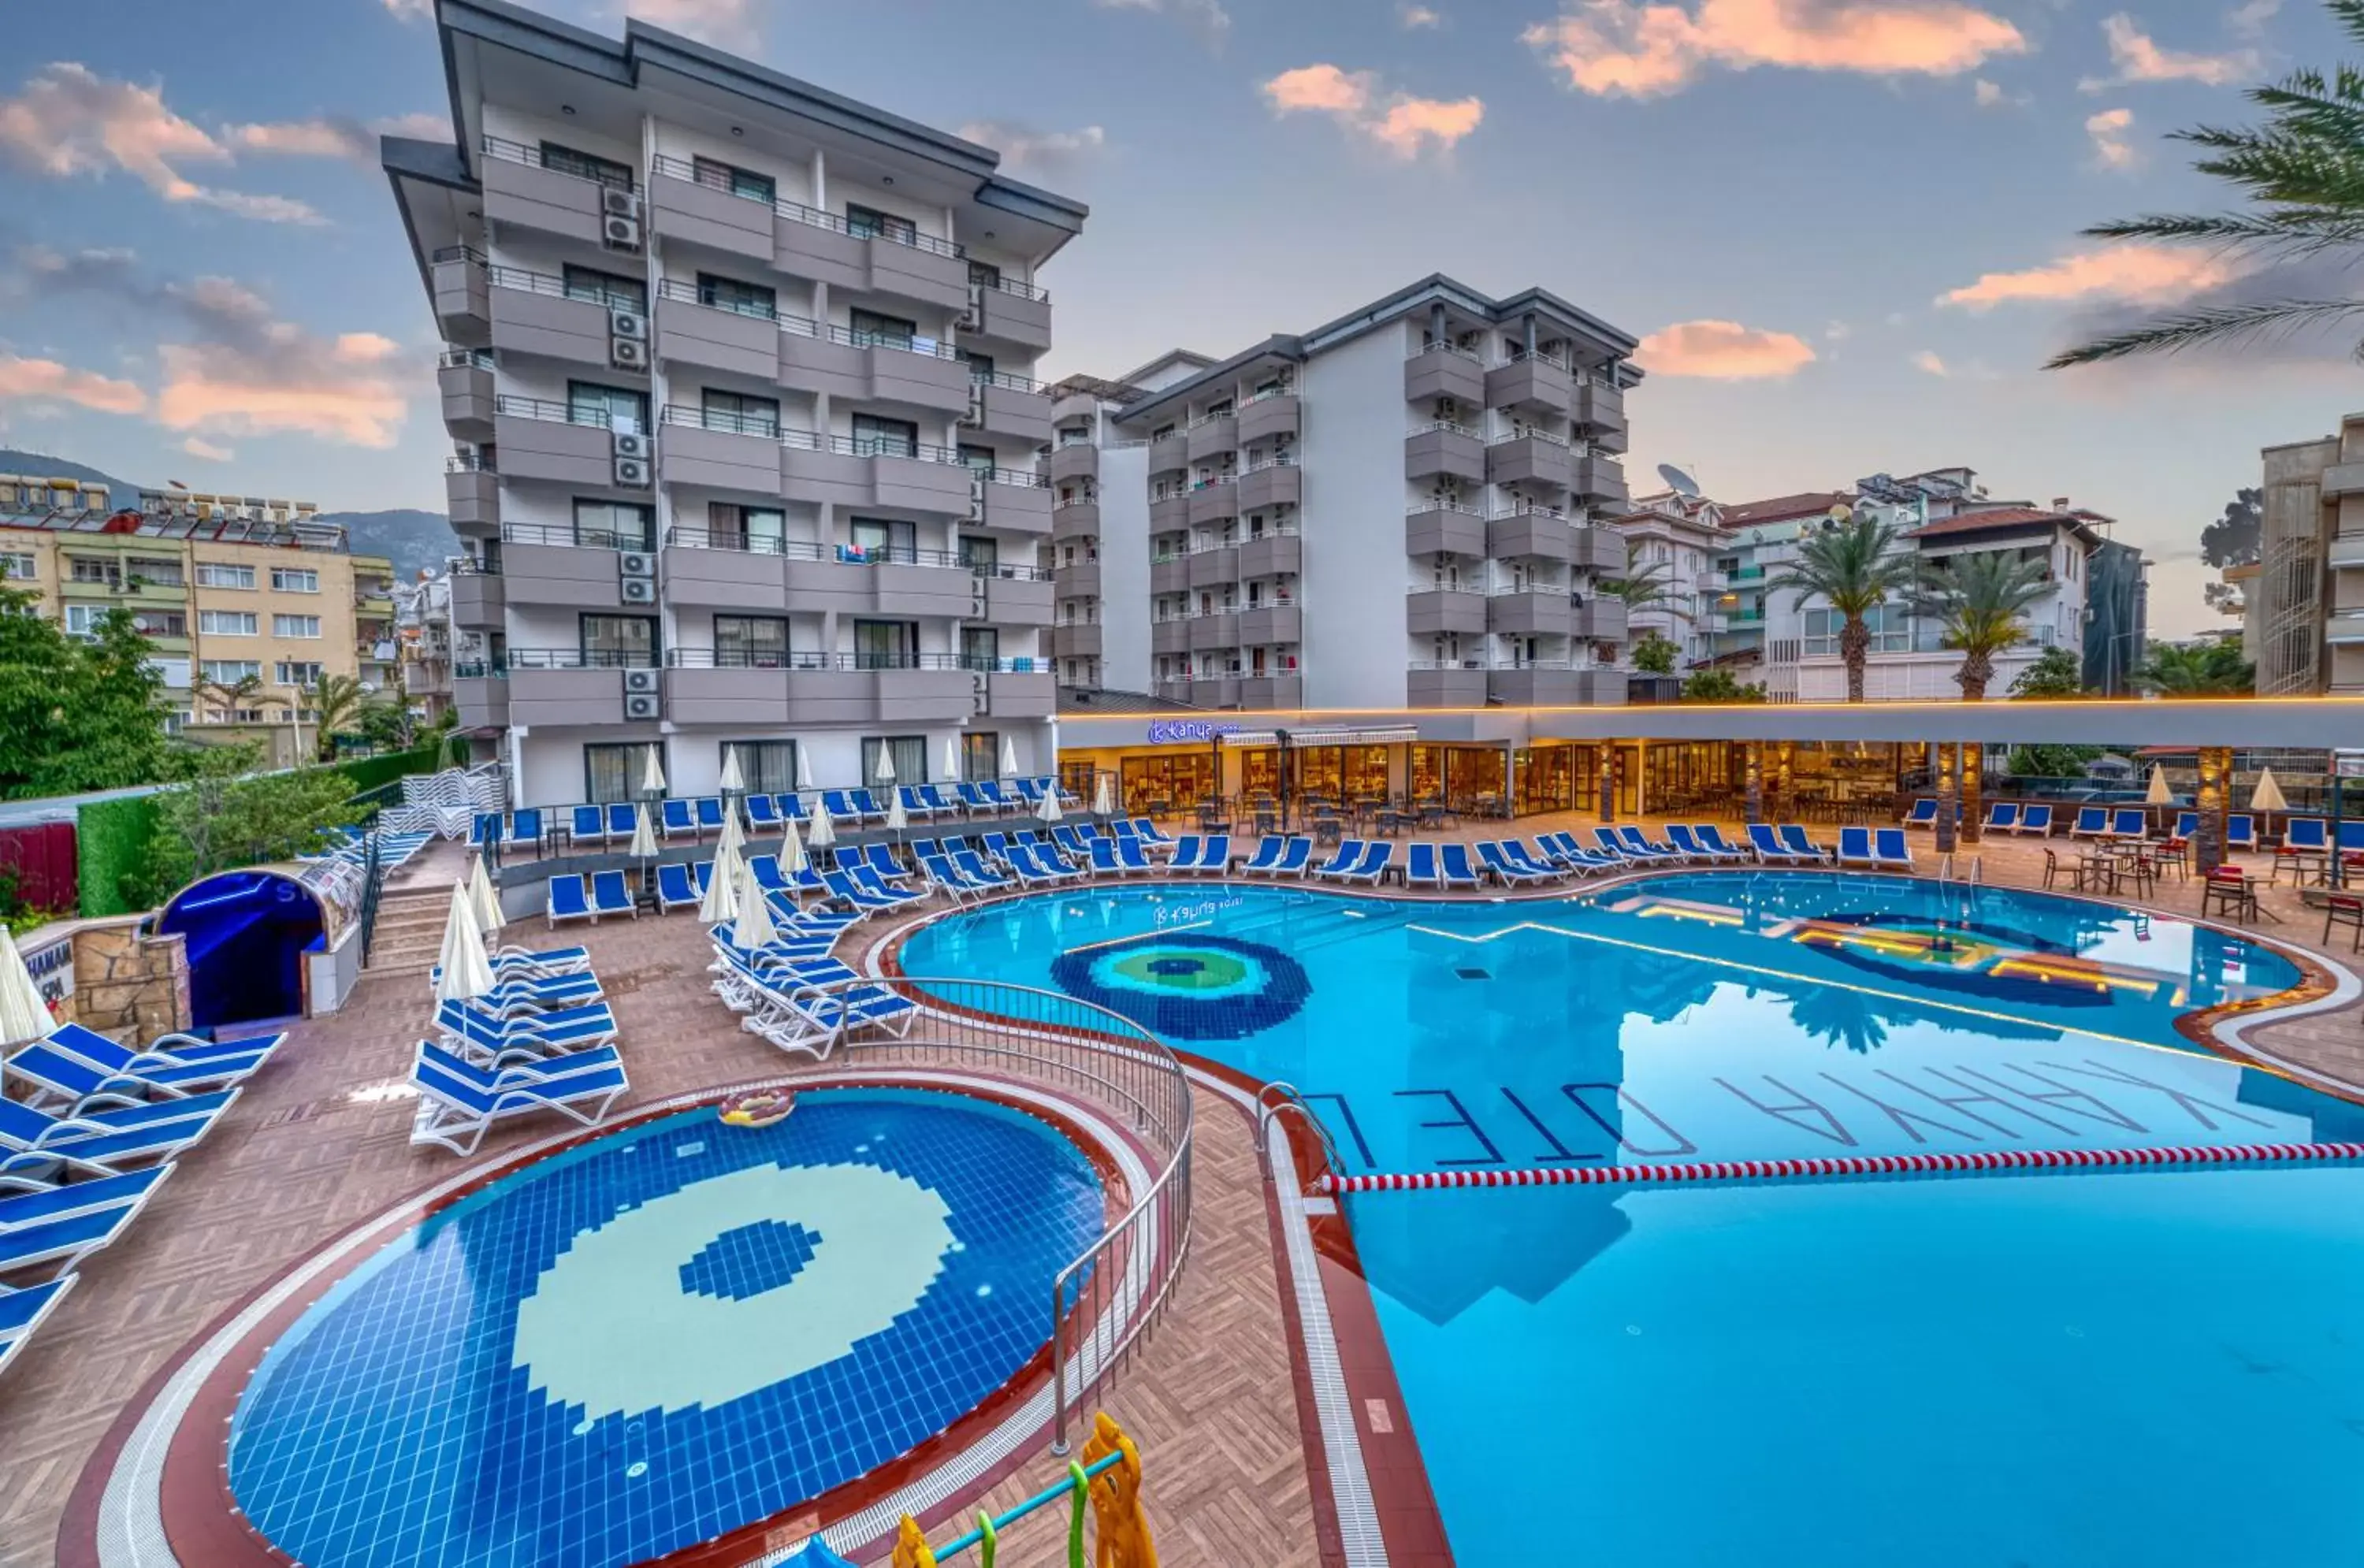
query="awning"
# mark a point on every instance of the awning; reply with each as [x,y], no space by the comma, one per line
[1262,737]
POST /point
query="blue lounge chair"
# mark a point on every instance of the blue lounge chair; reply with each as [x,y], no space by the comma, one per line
[1560,848]
[1100,858]
[867,877]
[1134,855]
[1686,838]
[837,886]
[1889,850]
[609,895]
[1214,855]
[2036,820]
[1538,857]
[485,828]
[871,803]
[881,861]
[1379,854]
[1070,840]
[456,1109]
[2003,816]
[1265,857]
[512,964]
[1453,857]
[1029,791]
[578,1027]
[568,898]
[973,799]
[981,876]
[1505,870]
[586,825]
[708,811]
[1638,845]
[2306,836]
[675,820]
[1803,843]
[2092,822]
[58,1245]
[937,805]
[1770,850]
[2187,826]
[676,887]
[1606,845]
[1420,869]
[108,1074]
[2241,831]
[1924,813]
[22,1312]
[38,1149]
[1855,847]
[522,996]
[524,830]
[1151,834]
[915,805]
[937,863]
[169,1050]
[70,1200]
[2129,822]
[841,806]
[763,815]
[1343,859]
[623,821]
[1717,844]
[793,808]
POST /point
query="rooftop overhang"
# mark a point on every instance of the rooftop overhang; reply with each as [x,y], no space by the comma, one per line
[435,193]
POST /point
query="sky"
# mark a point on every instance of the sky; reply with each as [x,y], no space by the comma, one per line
[1846,231]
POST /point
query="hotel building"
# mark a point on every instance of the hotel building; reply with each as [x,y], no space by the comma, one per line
[741,382]
[2306,598]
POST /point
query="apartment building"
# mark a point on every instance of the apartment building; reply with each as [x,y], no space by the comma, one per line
[740,380]
[1677,543]
[422,621]
[228,589]
[2307,599]
[1233,542]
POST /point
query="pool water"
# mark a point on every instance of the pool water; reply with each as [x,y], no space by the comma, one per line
[1971,1370]
[663,1334]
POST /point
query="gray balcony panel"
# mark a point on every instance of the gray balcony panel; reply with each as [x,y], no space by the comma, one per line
[1272,624]
[1073,463]
[1081,580]
[1541,612]
[909,485]
[1012,318]
[1213,503]
[1013,693]
[684,209]
[1433,452]
[1009,601]
[1531,535]
[467,400]
[906,271]
[925,591]
[832,478]
[482,703]
[1602,619]
[1535,384]
[1598,549]
[825,586]
[582,455]
[753,698]
[1428,377]
[1169,514]
[1213,438]
[1445,533]
[1213,568]
[1602,481]
[1169,452]
[833,696]
[918,381]
[1077,639]
[530,196]
[1214,632]
[691,334]
[1213,692]
[1020,508]
[562,575]
[1542,688]
[472,499]
[1014,414]
[1601,409]
[1171,575]
[1532,461]
[574,330]
[722,459]
[462,302]
[1267,694]
[1080,520]
[1274,555]
[725,579]
[477,602]
[925,697]
[1444,688]
[1169,636]
[1276,486]
[1075,408]
[817,365]
[566,697]
[1268,417]
[1428,611]
[809,250]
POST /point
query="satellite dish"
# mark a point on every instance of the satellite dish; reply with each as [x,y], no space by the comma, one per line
[1842,514]
[1679,482]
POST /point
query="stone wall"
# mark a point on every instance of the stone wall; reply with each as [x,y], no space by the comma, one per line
[132,986]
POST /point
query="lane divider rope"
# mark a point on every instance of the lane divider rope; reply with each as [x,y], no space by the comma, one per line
[1847,1165]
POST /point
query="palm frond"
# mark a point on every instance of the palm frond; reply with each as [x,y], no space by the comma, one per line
[2190,328]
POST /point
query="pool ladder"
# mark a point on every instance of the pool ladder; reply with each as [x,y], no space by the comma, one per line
[1948,870]
[1277,1099]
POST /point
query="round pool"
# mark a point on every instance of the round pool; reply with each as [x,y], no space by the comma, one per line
[664,1334]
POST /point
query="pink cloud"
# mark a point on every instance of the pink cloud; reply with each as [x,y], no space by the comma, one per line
[1722,351]
[47,379]
[1404,125]
[2140,59]
[1617,47]
[2141,275]
[2108,129]
[354,389]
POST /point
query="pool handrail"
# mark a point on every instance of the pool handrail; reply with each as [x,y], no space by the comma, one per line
[1058,1491]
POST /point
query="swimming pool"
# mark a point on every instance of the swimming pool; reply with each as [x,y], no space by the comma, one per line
[1967,1372]
[663,1334]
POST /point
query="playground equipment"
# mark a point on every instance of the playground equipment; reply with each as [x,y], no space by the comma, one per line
[1108,1479]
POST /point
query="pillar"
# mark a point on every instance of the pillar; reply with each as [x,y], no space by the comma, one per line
[1948,795]
[1974,763]
[1753,770]
[1785,780]
[1609,754]
[2215,793]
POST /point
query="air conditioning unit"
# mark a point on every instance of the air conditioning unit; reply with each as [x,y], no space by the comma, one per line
[632,443]
[628,324]
[631,473]
[972,318]
[641,705]
[621,233]
[975,418]
[639,591]
[616,201]
[642,682]
[637,564]
[628,353]
[976,498]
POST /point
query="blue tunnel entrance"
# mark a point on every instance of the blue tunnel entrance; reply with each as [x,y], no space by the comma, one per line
[247,933]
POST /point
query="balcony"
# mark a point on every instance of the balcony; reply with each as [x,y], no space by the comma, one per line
[1431,610]
[462,310]
[1073,462]
[703,686]
[1439,529]
[1445,685]
[868,473]
[1443,371]
[1535,535]
[1010,312]
[723,452]
[482,700]
[917,373]
[1017,597]
[1213,633]
[562,686]
[910,266]
[1077,639]
[519,191]
[538,439]
[1202,690]
[1600,549]
[695,333]
[1077,519]
[1271,693]
[1601,409]
[1021,693]
[1268,416]
[1080,581]
[1272,555]
[1169,574]
[719,571]
[1532,383]
[535,314]
[2345,550]
[478,601]
[544,566]
[1214,568]
[1171,635]
[1170,514]
[1444,450]
[1535,611]
[1271,625]
[1602,481]
[1012,499]
[1601,618]
[1212,435]
[1274,484]
[472,498]
[1548,685]
[1170,452]
[2344,628]
[1537,461]
[1012,408]
[1216,501]
[465,380]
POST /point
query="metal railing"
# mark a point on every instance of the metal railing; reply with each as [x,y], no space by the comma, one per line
[469,461]
[766,425]
[1454,348]
[779,659]
[902,342]
[872,445]
[552,409]
[555,287]
[1544,435]
[1278,459]
[1518,353]
[1442,504]
[459,254]
[614,175]
[480,670]
[690,294]
[1203,420]
[465,358]
[848,555]
[718,180]
[580,659]
[1449,427]
[1011,286]
[572,536]
[1008,380]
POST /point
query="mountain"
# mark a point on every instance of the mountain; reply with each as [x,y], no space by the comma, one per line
[40,465]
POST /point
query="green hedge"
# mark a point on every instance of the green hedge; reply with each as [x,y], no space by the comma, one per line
[370,772]
[111,839]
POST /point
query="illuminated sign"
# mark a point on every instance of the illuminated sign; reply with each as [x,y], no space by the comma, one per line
[1176,731]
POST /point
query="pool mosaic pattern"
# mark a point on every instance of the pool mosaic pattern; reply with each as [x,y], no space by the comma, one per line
[664,1335]
[1188,985]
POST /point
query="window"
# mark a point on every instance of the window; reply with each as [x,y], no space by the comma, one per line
[612,291]
[613,407]
[732,526]
[161,623]
[164,571]
[81,620]
[976,460]
[980,648]
[293,672]
[875,437]
[1163,432]
[742,182]
[226,623]
[294,625]
[909,752]
[885,645]
[288,580]
[768,766]
[16,566]
[213,575]
[981,366]
[615,525]
[980,754]
[613,770]
[89,569]
[750,642]
[629,641]
[563,160]
[883,538]
[869,223]
[730,294]
[984,275]
[230,671]
[1890,626]
[980,554]
[870,329]
[743,414]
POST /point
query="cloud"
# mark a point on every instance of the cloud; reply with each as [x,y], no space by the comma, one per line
[1985,94]
[412,10]
[1042,151]
[69,121]
[2108,129]
[1621,48]
[48,381]
[2134,273]
[1839,331]
[1722,351]
[203,449]
[1414,17]
[335,136]
[1404,125]
[1926,361]
[1206,18]
[2140,59]
[2250,19]
[726,24]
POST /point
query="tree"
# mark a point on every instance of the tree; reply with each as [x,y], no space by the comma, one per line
[2208,667]
[1718,685]
[1654,655]
[2303,172]
[1853,566]
[2056,673]
[230,698]
[335,703]
[228,815]
[77,713]
[2233,539]
[1979,598]
[2042,762]
[1646,587]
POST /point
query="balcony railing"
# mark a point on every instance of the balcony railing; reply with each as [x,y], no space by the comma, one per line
[682,169]
[1012,286]
[1198,485]
[766,426]
[480,670]
[1278,459]
[1444,664]
[1006,379]
[1530,509]
[465,358]
[459,254]
[1518,354]
[790,659]
[690,294]
[1284,390]
[520,152]
[552,409]
[469,461]
[1075,501]
[1540,590]
[1454,348]
[1442,503]
[1544,435]
[556,287]
[1449,427]
[870,446]
[572,536]
[581,658]
[849,555]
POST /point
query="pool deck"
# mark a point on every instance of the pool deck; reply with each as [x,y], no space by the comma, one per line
[319,1142]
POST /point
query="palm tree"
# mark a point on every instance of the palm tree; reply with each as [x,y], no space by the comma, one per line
[231,697]
[2303,172]
[1977,598]
[2211,667]
[335,703]
[1644,587]
[1854,565]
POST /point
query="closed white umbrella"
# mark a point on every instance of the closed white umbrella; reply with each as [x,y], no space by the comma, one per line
[884,773]
[1050,810]
[1104,796]
[481,902]
[2268,795]
[733,781]
[733,837]
[2160,793]
[792,849]
[644,834]
[1008,758]
[804,770]
[951,760]
[720,901]
[896,817]
[23,1014]
[753,926]
[467,971]
[652,776]
[824,832]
